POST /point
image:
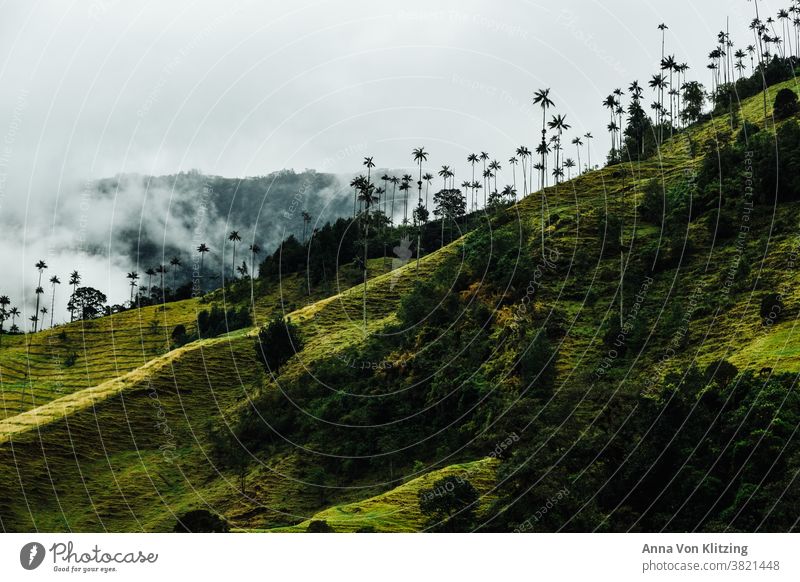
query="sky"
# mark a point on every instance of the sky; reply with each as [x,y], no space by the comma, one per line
[95,88]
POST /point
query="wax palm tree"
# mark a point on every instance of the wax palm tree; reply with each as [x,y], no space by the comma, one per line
[40,266]
[74,280]
[54,280]
[394,180]
[578,142]
[202,249]
[150,272]
[133,276]
[542,99]
[356,184]
[663,28]
[43,311]
[419,155]
[405,186]
[14,314]
[495,167]
[4,314]
[368,197]
[161,270]
[255,250]
[589,137]
[513,161]
[559,125]
[307,220]
[234,237]
[428,177]
[174,263]
[523,153]
[484,158]
[569,164]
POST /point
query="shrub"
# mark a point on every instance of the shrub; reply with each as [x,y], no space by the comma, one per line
[722,371]
[278,341]
[771,308]
[785,104]
[179,335]
[217,321]
[319,526]
[201,521]
[70,360]
[449,505]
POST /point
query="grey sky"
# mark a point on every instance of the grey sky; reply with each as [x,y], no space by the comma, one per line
[92,89]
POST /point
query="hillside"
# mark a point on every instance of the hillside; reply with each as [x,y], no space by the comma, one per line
[486,337]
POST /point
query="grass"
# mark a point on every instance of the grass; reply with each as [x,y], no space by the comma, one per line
[119,441]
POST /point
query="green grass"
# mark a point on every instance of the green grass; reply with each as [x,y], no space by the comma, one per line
[82,448]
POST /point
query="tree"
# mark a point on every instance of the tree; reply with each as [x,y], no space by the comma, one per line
[4,314]
[175,263]
[693,99]
[234,237]
[133,276]
[578,142]
[202,249]
[542,99]
[450,505]
[368,197]
[589,137]
[150,272]
[201,521]
[40,266]
[88,302]
[307,220]
[74,280]
[53,282]
[255,250]
[278,341]
[420,155]
[161,270]
[785,104]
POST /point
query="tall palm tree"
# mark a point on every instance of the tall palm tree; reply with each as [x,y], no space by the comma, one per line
[150,272]
[512,161]
[202,249]
[133,276]
[542,99]
[40,266]
[428,177]
[53,282]
[4,314]
[14,313]
[74,280]
[394,180]
[578,142]
[175,264]
[255,250]
[495,167]
[43,311]
[472,159]
[161,270]
[368,197]
[559,125]
[234,237]
[405,186]
[569,164]
[523,153]
[589,137]
[484,158]
[356,184]
[663,28]
[307,221]
[419,155]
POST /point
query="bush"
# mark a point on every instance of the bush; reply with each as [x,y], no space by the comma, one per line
[217,321]
[179,336]
[70,360]
[318,526]
[278,341]
[449,505]
[201,521]
[722,371]
[771,308]
[785,104]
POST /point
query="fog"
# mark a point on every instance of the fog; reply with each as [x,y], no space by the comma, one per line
[107,88]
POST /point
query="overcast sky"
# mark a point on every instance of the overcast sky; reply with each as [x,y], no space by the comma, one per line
[94,88]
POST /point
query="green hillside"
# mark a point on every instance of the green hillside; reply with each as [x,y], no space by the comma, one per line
[484,338]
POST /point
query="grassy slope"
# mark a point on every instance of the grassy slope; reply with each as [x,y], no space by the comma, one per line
[100,466]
